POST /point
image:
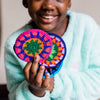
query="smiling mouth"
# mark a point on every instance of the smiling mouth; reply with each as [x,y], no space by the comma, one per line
[48,18]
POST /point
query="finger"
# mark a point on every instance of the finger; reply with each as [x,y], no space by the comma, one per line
[26,70]
[38,80]
[33,70]
[46,81]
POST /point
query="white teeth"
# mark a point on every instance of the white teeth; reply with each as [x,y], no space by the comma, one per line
[47,16]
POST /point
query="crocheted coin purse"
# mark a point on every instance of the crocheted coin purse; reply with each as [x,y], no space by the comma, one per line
[49,46]
[54,62]
[33,42]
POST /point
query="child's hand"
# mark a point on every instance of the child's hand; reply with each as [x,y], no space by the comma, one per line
[37,84]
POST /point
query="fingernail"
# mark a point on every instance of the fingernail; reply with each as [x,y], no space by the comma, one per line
[48,75]
[36,58]
[42,67]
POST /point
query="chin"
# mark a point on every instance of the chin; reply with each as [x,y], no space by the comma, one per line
[47,28]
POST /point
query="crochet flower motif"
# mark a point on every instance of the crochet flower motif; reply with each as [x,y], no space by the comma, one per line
[33,47]
[53,53]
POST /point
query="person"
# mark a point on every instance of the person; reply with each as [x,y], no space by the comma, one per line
[79,77]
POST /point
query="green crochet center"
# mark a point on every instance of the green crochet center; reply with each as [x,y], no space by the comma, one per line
[33,47]
[54,52]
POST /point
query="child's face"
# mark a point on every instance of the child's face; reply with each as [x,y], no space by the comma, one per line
[48,14]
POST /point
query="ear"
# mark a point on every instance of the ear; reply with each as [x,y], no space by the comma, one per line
[25,4]
[69,4]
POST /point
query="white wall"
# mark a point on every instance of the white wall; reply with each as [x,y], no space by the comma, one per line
[14,15]
[90,7]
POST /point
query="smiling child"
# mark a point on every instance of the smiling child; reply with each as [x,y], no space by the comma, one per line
[79,78]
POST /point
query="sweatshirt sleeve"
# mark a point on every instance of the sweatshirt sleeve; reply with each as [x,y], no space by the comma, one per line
[86,82]
[16,83]
[83,84]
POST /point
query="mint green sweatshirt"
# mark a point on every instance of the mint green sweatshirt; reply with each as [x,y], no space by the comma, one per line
[79,77]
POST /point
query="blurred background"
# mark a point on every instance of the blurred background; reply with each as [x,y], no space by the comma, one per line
[13,15]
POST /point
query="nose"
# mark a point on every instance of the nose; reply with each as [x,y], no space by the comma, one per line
[48,5]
